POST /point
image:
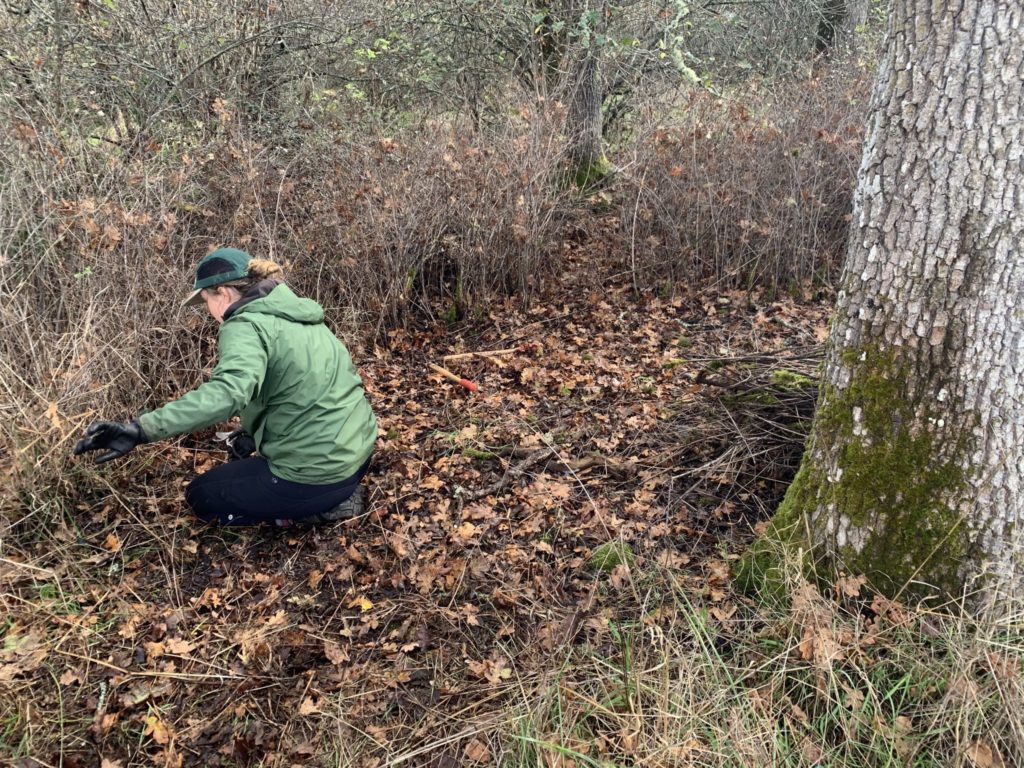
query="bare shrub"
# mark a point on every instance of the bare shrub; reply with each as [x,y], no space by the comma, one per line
[92,261]
[99,244]
[384,225]
[753,187]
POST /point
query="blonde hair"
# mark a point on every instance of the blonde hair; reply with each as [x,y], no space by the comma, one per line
[262,269]
[259,270]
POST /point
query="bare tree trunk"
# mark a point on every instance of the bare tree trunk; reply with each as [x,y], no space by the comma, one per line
[838,24]
[857,12]
[913,470]
[584,121]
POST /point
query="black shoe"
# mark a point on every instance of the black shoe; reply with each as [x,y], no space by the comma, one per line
[351,507]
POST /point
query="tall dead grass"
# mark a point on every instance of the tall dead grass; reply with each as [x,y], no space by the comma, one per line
[672,679]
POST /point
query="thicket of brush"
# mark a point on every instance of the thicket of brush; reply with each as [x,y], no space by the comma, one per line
[383,225]
[125,156]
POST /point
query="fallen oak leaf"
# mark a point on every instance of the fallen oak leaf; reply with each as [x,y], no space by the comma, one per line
[154,650]
[493,670]
[543,546]
[308,707]
[723,613]
[20,654]
[432,483]
[850,586]
[178,646]
[51,414]
[478,752]
[465,532]
[498,673]
[335,653]
[315,577]
[984,755]
[71,676]
[362,603]
[278,619]
[158,729]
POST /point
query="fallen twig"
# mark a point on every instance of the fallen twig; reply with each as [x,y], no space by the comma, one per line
[190,676]
[618,469]
[451,376]
[485,355]
[513,473]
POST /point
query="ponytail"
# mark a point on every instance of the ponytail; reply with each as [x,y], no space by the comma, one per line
[259,270]
[263,269]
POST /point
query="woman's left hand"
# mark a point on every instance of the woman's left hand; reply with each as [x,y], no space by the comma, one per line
[241,444]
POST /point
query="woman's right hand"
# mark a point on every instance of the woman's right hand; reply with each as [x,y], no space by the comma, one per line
[114,437]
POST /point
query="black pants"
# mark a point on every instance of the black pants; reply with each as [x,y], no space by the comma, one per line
[246,492]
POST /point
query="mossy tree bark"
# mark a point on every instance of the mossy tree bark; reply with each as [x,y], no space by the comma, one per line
[912,473]
[584,123]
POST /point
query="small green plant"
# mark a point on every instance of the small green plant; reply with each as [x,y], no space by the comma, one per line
[451,315]
[606,557]
[52,595]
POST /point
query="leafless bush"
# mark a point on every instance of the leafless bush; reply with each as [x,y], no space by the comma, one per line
[99,243]
[92,257]
[754,187]
[388,224]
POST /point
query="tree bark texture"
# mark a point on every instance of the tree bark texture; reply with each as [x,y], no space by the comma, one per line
[584,124]
[912,473]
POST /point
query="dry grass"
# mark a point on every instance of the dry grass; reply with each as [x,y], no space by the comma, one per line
[661,666]
[671,685]
[661,676]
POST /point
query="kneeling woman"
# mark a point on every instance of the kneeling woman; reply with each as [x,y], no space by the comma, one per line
[294,386]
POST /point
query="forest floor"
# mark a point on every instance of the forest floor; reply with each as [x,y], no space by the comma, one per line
[622,437]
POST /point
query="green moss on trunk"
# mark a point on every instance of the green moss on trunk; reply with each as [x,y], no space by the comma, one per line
[785,544]
[588,175]
[899,473]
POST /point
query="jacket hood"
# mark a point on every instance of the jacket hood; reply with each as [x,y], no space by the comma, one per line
[272,297]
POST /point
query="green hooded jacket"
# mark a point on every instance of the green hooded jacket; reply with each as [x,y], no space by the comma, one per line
[291,381]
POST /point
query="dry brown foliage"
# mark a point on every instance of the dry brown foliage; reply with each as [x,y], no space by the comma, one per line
[750,189]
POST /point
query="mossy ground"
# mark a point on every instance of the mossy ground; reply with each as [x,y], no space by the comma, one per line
[587,177]
[790,380]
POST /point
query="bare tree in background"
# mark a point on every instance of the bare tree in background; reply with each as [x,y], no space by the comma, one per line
[839,21]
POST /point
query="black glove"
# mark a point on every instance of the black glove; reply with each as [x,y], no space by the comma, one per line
[115,437]
[240,444]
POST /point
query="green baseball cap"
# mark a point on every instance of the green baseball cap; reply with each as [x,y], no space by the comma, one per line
[220,266]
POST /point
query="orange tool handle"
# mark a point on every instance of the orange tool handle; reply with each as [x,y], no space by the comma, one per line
[449,375]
